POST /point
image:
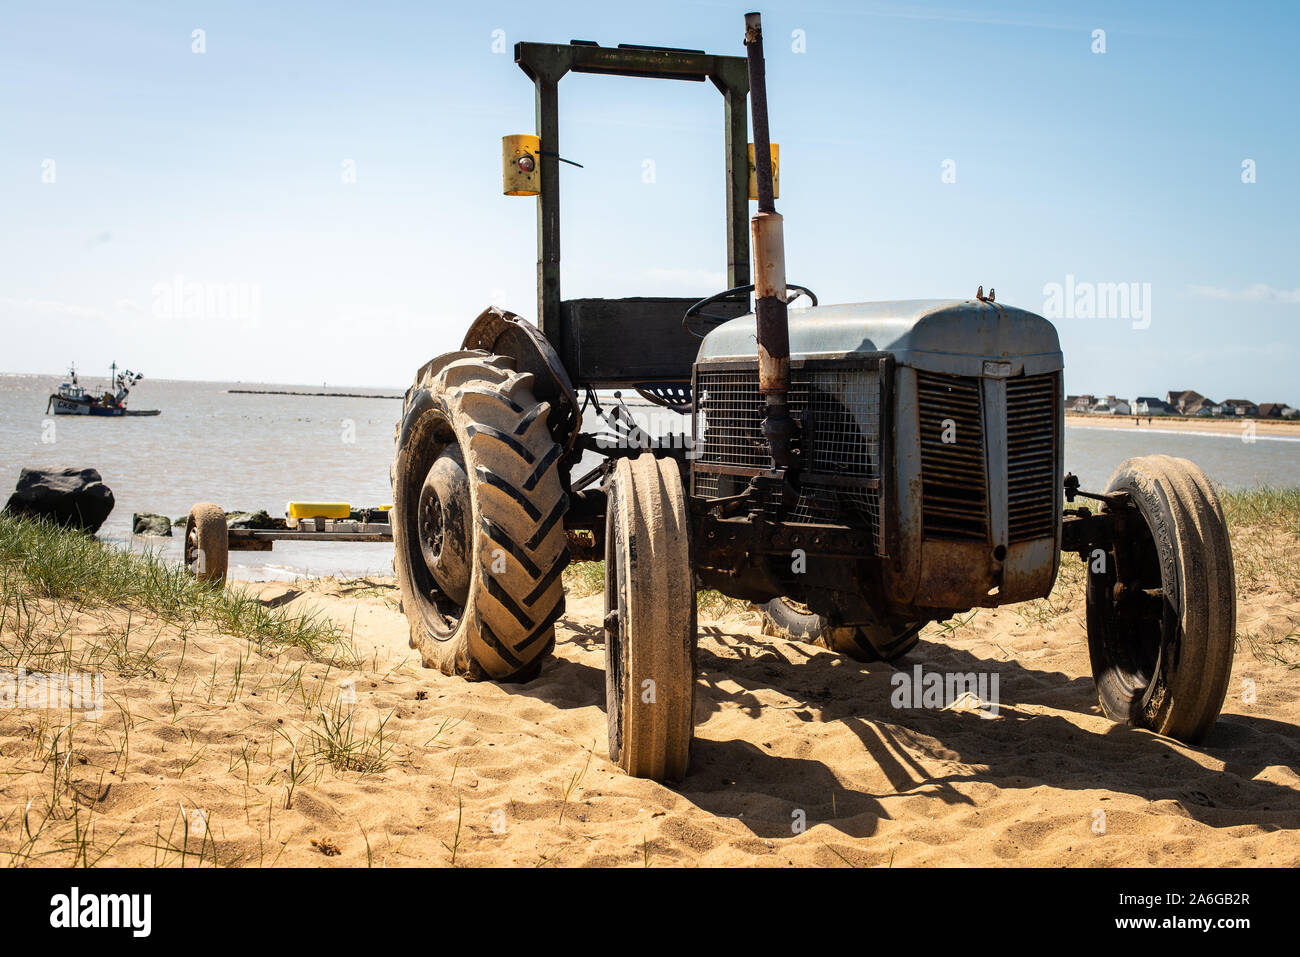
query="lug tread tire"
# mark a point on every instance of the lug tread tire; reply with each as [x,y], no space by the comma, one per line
[518,505]
[861,642]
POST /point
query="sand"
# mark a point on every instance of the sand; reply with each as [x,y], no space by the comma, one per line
[204,754]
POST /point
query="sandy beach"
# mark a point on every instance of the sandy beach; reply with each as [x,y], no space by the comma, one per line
[216,750]
[1191,426]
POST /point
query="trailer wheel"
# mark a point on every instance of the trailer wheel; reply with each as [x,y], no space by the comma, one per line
[875,641]
[1161,604]
[207,543]
[649,620]
[478,519]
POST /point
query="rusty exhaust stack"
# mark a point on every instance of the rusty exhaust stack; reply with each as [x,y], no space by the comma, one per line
[769,270]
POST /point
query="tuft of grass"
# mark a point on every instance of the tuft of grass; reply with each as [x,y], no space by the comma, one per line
[1273,647]
[711,602]
[1265,526]
[1265,507]
[41,560]
[574,781]
[454,847]
[338,742]
[582,579]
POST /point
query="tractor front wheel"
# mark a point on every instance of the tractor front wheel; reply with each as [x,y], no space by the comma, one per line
[649,620]
[1161,605]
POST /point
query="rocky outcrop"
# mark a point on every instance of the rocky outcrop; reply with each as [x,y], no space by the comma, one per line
[75,498]
[258,519]
[146,523]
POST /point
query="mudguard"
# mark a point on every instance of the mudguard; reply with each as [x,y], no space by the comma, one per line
[502,333]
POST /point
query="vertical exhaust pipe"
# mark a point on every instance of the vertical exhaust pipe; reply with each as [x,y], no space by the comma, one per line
[769,270]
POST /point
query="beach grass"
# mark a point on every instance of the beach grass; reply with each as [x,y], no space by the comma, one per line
[41,560]
[1265,507]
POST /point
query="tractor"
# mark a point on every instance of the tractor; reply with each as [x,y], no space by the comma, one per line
[857,470]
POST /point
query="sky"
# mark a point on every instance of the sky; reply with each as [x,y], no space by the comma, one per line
[327,176]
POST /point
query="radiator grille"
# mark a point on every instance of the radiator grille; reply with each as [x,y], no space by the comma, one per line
[954,483]
[1031,457]
[728,424]
[840,407]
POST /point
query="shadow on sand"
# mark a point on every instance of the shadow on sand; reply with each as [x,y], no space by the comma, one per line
[1024,749]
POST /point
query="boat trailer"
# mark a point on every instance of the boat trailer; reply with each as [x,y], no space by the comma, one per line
[209,540]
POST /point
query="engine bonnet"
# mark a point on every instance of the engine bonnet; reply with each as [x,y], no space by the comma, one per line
[950,335]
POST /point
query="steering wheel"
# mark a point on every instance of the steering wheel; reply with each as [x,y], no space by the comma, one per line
[697,311]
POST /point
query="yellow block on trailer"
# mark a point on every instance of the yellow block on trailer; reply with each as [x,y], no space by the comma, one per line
[335,510]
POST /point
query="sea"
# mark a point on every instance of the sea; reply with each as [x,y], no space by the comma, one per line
[246,451]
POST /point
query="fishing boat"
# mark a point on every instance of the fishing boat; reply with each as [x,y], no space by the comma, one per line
[73,399]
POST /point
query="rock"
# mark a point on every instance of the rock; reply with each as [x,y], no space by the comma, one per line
[250,520]
[146,523]
[74,498]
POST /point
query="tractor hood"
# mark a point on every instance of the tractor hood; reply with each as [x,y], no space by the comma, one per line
[943,335]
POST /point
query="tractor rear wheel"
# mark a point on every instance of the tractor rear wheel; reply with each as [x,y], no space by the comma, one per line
[872,641]
[1161,605]
[649,620]
[478,520]
[207,543]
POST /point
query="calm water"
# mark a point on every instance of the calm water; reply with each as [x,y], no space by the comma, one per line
[243,452]
[259,451]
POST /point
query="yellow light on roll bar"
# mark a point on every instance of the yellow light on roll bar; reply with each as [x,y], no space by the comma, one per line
[520,167]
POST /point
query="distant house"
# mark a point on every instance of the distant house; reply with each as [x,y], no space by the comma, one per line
[1277,410]
[1110,406]
[1186,402]
[1239,407]
[1150,405]
[1083,403]
[1201,406]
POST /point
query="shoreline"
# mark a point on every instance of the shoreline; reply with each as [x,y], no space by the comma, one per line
[1264,428]
[327,395]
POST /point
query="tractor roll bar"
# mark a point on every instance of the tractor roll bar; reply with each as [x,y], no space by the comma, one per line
[547,63]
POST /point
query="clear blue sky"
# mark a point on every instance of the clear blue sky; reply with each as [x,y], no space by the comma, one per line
[225,168]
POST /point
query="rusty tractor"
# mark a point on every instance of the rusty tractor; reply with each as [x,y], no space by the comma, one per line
[857,470]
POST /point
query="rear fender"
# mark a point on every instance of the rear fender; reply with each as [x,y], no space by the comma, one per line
[502,333]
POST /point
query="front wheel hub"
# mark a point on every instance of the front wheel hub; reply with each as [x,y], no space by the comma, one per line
[444,523]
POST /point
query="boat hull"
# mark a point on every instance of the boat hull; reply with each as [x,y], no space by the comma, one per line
[62,406]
